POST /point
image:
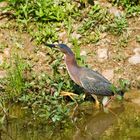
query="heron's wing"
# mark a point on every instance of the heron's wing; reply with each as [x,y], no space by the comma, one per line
[94,74]
[96,86]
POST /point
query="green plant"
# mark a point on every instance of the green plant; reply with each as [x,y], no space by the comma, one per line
[124,84]
[4,111]
[68,24]
[126,3]
[138,38]
[80,59]
[132,7]
[43,18]
[118,25]
[94,37]
[44,33]
[40,92]
[76,49]
[41,10]
[123,41]
[96,16]
[43,92]
[2,47]
[133,10]
[15,84]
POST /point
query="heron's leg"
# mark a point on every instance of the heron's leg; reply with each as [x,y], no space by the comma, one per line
[97,103]
[70,94]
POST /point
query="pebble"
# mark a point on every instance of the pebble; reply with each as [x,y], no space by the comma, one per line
[1,59]
[102,54]
[75,35]
[3,4]
[41,54]
[104,41]
[115,11]
[109,74]
[2,74]
[7,52]
[137,51]
[135,59]
[63,37]
[83,53]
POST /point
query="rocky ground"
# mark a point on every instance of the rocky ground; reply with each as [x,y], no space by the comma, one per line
[115,62]
[108,56]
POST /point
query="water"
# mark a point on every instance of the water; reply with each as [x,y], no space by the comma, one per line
[120,122]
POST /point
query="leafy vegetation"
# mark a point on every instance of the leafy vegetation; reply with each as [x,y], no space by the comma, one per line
[131,7]
[126,3]
[44,20]
[96,16]
[39,92]
[118,26]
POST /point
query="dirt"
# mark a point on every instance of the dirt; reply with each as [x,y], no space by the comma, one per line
[117,56]
[116,62]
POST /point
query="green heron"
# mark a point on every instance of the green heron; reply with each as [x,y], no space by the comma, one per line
[91,81]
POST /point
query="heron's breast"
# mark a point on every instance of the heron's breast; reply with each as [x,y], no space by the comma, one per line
[74,73]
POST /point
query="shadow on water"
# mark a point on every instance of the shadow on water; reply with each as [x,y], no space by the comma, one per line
[96,123]
[122,121]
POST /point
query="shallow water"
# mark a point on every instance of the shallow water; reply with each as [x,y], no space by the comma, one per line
[120,122]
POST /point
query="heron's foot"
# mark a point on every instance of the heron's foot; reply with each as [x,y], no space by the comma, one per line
[70,94]
[106,101]
[97,103]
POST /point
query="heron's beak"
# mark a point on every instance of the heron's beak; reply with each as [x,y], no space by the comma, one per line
[51,45]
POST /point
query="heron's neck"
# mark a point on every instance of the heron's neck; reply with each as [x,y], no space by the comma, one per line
[70,61]
[72,67]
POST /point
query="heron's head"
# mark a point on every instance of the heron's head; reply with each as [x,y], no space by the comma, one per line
[62,47]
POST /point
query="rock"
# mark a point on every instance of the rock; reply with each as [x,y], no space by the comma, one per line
[2,74]
[63,37]
[137,51]
[3,4]
[135,59]
[138,78]
[75,35]
[103,3]
[83,53]
[103,35]
[3,21]
[104,41]
[41,54]
[109,74]
[7,52]
[115,11]
[1,59]
[102,54]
